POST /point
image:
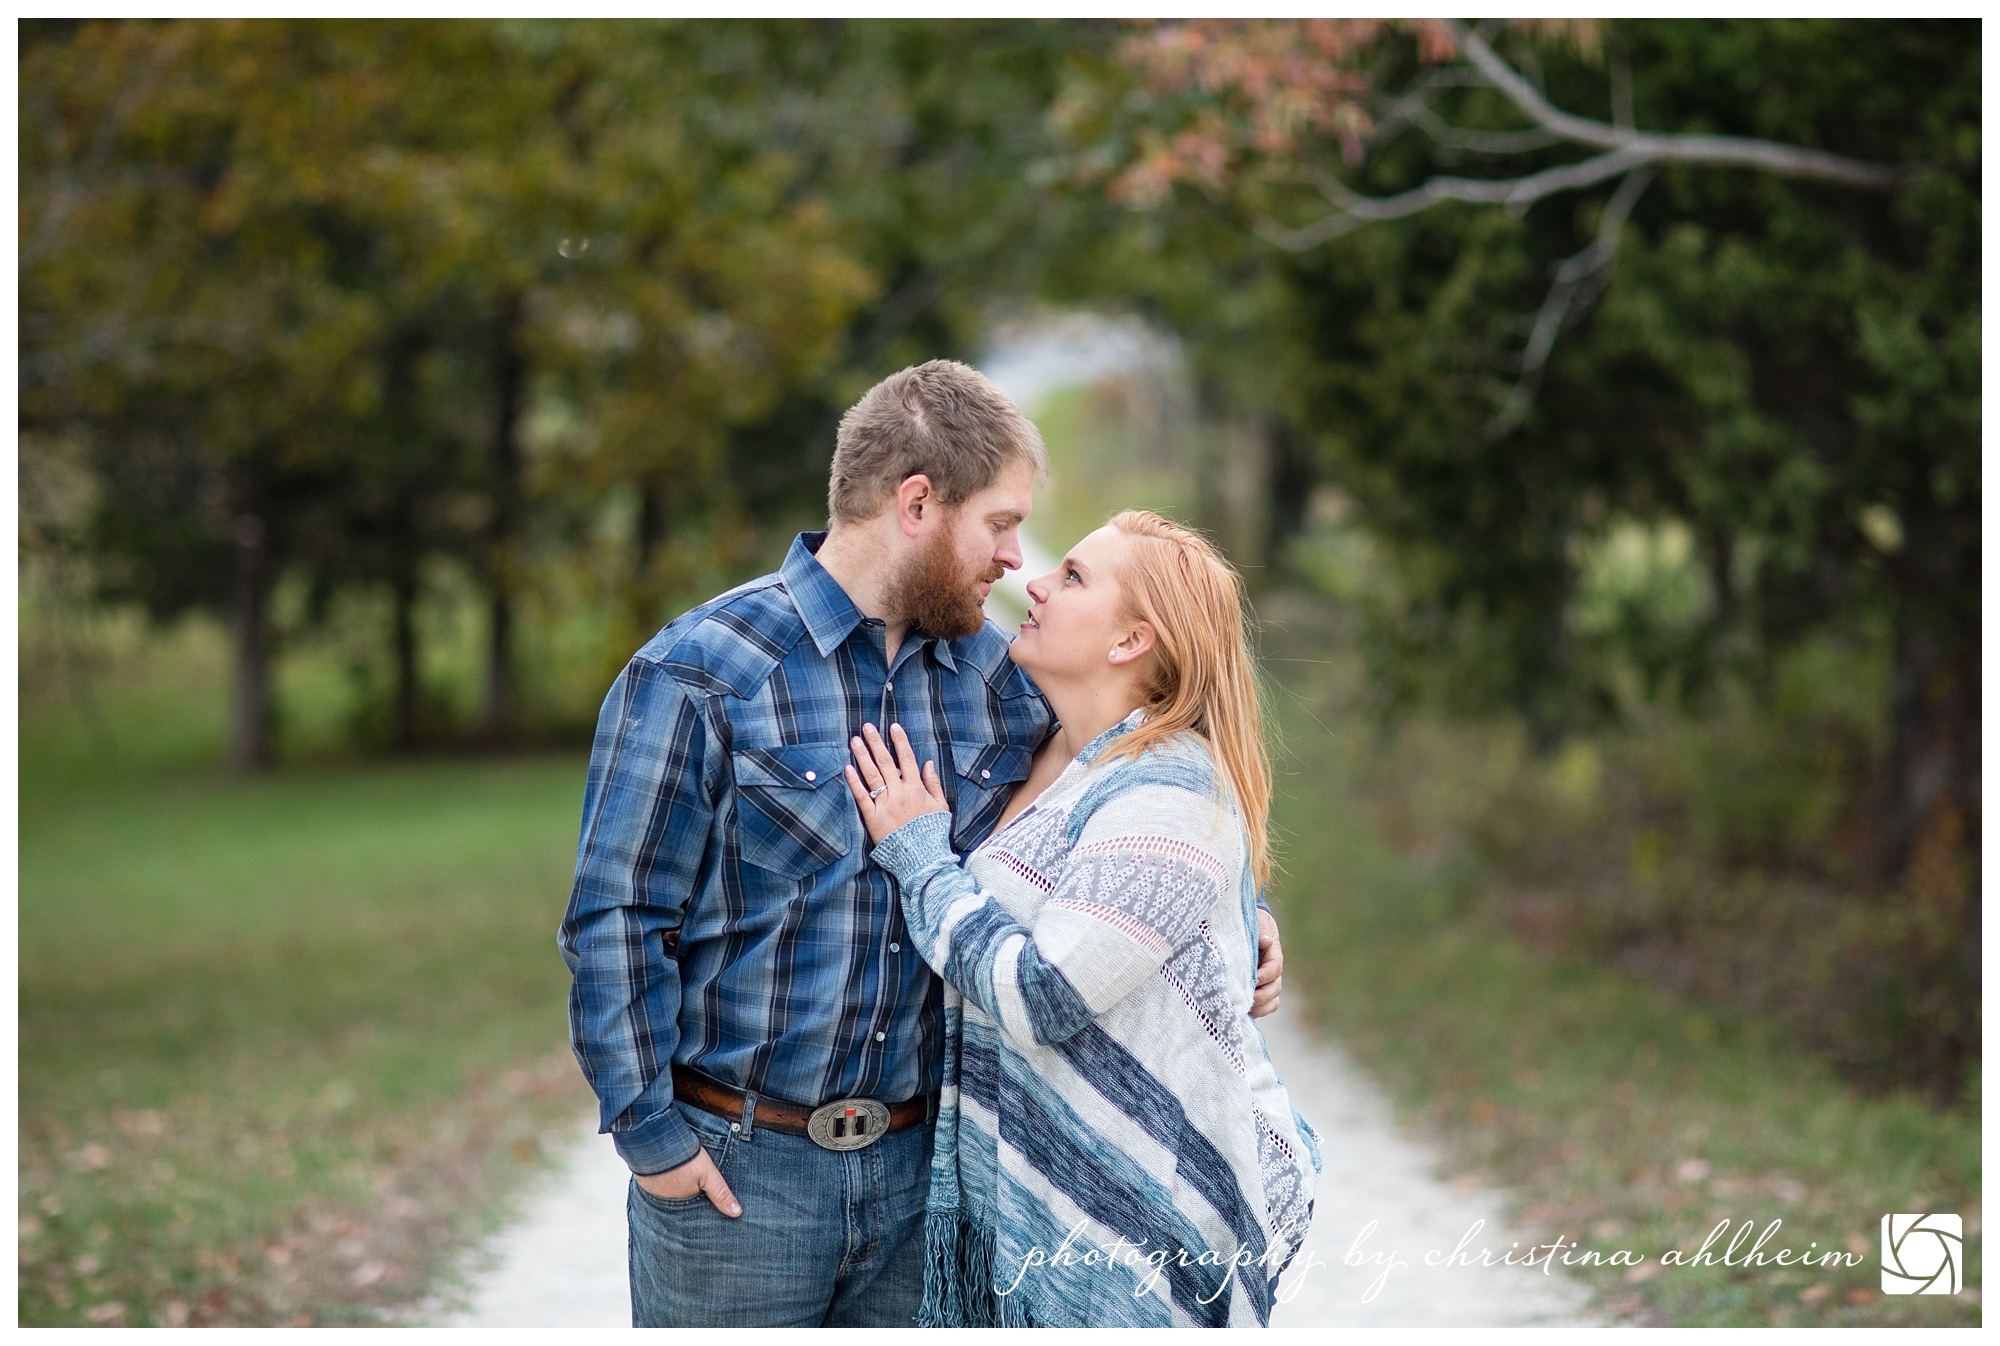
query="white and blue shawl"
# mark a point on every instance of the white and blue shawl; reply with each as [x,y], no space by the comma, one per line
[1113,1145]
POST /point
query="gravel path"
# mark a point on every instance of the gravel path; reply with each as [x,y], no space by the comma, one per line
[562,1262]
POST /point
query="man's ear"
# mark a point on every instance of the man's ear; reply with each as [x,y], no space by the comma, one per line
[914,500]
[1134,645]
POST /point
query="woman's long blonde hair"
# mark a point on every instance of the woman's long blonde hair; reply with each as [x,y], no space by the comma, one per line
[1204,679]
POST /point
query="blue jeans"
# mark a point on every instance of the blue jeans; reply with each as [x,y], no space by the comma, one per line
[826,1239]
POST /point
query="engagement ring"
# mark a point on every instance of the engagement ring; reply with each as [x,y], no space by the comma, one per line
[877,790]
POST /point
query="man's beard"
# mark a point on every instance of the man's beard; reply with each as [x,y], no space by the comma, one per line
[934,595]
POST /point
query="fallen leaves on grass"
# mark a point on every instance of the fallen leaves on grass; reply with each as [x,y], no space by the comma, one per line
[168,1242]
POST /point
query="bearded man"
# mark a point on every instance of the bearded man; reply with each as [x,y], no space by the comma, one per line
[764,1042]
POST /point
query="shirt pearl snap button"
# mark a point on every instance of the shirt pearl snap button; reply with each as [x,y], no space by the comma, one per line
[880,1036]
[986,775]
[812,775]
[895,948]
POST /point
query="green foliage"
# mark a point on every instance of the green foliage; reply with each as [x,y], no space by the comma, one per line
[1784,370]
[332,301]
[1760,439]
[1736,380]
[1618,1113]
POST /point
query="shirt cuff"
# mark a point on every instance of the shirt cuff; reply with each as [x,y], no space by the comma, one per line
[661,1142]
[917,845]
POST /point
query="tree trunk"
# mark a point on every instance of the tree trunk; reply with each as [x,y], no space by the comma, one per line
[1294,473]
[504,541]
[407,483]
[652,527]
[497,715]
[403,590]
[250,719]
[1243,496]
[1929,849]
[1933,772]
[651,533]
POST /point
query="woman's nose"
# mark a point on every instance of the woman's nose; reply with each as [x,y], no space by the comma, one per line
[1038,589]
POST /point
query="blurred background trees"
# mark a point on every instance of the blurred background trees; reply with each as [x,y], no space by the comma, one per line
[1646,356]
[510,339]
[328,302]
[1592,407]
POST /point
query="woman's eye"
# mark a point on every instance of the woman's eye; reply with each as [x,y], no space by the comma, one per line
[1073,575]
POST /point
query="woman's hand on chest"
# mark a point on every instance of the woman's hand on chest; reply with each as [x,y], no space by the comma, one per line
[889,787]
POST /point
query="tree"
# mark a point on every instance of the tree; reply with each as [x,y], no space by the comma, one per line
[295,281]
[924,142]
[142,294]
[1760,321]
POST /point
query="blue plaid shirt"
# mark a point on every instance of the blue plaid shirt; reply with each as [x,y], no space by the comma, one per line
[725,914]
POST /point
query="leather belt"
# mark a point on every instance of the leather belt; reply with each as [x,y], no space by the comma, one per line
[844,1124]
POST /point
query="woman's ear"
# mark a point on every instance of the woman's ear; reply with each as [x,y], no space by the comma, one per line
[1135,644]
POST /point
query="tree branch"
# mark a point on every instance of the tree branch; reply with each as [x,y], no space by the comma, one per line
[1626,149]
[1352,210]
[1577,283]
[1403,112]
[1482,142]
[1718,151]
[1627,153]
[1621,90]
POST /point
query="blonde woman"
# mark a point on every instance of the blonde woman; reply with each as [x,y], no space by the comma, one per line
[1113,1147]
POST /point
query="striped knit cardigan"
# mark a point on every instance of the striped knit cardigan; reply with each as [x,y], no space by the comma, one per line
[1113,1145]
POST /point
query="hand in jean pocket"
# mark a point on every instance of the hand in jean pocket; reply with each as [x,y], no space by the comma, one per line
[698,1176]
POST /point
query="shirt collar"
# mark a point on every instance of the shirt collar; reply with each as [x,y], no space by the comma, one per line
[829,614]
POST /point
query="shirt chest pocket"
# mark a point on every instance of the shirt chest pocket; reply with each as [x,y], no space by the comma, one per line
[987,775]
[794,814]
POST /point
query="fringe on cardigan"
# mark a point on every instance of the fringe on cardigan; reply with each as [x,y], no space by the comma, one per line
[959,1289]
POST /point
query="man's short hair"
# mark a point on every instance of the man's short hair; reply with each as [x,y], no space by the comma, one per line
[943,419]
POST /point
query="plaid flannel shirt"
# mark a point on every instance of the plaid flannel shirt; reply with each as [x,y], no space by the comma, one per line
[725,914]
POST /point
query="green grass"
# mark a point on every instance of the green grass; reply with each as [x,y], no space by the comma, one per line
[282,1041]
[1615,1116]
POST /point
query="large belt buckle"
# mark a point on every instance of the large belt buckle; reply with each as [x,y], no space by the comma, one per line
[848,1124]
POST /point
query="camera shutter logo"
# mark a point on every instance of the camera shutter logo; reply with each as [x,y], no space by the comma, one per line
[1923,1254]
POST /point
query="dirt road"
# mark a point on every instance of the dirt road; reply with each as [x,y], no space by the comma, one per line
[1381,1206]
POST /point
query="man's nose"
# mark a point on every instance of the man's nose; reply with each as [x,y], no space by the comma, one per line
[1009,551]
